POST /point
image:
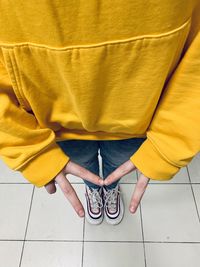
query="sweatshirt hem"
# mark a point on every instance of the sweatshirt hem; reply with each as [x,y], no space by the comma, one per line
[100,135]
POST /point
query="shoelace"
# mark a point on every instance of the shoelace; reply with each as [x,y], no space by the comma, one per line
[96,200]
[111,198]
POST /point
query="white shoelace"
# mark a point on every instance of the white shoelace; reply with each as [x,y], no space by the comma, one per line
[96,200]
[111,198]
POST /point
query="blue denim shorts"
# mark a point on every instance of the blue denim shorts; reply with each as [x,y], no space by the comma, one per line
[113,153]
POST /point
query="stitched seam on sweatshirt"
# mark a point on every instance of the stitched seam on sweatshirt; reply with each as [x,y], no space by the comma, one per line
[14,79]
[162,155]
[11,73]
[25,104]
[114,42]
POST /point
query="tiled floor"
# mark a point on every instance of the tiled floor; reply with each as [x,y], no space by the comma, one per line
[38,229]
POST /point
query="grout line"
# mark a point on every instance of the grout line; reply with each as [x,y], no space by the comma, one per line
[167,183]
[83,242]
[14,183]
[54,240]
[140,206]
[195,202]
[188,173]
[26,227]
[104,241]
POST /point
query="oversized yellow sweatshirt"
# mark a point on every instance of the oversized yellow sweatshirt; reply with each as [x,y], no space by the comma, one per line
[99,70]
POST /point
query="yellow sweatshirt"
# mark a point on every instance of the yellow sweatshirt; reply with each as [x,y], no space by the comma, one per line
[99,70]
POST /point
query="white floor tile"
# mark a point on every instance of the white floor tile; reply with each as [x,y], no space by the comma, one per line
[52,254]
[196,189]
[169,213]
[53,218]
[74,179]
[173,255]
[103,254]
[14,208]
[10,253]
[129,178]
[194,169]
[8,175]
[129,229]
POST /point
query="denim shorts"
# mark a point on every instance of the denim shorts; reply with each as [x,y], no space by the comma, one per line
[113,154]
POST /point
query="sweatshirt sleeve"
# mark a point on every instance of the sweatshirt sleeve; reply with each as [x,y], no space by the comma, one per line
[24,146]
[173,136]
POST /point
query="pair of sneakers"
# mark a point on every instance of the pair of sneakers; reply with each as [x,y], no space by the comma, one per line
[104,202]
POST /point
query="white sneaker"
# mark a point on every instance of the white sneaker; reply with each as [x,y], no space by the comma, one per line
[94,205]
[113,205]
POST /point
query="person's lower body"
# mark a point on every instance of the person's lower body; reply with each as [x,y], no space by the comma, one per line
[107,200]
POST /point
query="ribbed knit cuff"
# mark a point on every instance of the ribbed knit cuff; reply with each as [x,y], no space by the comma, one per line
[45,166]
[152,164]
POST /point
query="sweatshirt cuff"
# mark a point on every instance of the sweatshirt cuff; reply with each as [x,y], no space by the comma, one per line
[45,166]
[152,164]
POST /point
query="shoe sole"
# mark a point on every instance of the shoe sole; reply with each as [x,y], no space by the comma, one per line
[93,221]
